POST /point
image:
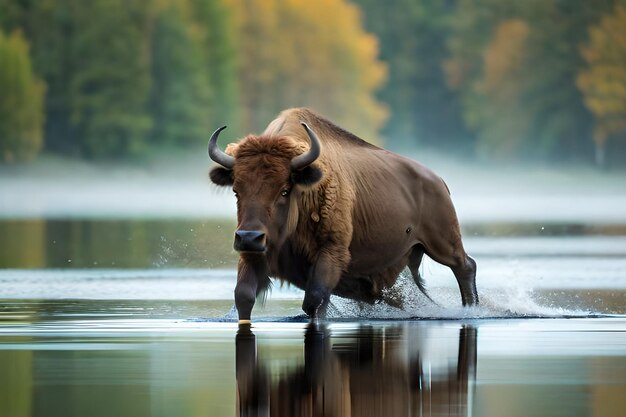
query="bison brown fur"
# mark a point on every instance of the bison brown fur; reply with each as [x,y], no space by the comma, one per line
[332,214]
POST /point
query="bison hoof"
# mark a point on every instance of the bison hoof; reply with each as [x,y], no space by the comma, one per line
[314,303]
[311,310]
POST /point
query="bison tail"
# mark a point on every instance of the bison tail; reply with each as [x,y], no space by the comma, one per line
[422,287]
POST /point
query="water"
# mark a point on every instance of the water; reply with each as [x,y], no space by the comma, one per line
[145,366]
[134,318]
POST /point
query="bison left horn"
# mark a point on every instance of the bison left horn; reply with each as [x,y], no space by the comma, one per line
[216,154]
[306,159]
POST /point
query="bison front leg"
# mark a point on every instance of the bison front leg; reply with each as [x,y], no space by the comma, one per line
[323,278]
[252,279]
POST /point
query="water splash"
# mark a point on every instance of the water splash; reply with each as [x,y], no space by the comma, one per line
[512,296]
[505,302]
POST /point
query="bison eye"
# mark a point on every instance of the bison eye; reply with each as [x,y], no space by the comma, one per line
[285,192]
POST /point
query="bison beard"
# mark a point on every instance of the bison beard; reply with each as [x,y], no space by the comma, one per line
[332,214]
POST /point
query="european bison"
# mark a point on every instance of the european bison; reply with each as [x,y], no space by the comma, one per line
[339,216]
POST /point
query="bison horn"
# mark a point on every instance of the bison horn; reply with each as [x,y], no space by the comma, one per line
[216,154]
[306,159]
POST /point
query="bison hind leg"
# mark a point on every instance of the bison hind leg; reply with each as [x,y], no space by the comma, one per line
[447,249]
[415,260]
[465,274]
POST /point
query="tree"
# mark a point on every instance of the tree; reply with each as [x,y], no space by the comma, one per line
[603,82]
[94,58]
[110,82]
[303,53]
[561,125]
[502,121]
[180,92]
[413,36]
[21,101]
[47,24]
[213,23]
[552,121]
[472,31]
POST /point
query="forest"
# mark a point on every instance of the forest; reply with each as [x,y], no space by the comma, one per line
[540,80]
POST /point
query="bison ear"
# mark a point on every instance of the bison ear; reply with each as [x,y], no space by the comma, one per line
[221,176]
[306,176]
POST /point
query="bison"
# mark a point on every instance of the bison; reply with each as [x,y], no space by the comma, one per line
[330,213]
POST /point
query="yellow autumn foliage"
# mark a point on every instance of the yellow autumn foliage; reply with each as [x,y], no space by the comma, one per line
[503,123]
[21,101]
[503,58]
[603,83]
[308,53]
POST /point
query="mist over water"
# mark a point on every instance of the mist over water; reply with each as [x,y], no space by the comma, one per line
[178,187]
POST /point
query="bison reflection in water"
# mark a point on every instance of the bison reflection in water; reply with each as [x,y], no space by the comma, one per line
[342,217]
[366,372]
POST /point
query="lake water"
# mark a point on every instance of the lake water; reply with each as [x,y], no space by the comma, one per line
[134,318]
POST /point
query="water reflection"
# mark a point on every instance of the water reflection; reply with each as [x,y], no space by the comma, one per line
[139,243]
[361,372]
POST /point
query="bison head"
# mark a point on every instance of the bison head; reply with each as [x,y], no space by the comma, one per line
[268,175]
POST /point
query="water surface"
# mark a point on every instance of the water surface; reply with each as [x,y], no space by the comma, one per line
[134,318]
[136,365]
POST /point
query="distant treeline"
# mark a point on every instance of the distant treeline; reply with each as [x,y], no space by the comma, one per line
[539,79]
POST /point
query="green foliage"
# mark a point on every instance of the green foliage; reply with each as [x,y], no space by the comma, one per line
[110,85]
[48,24]
[560,121]
[413,36]
[214,24]
[180,93]
[94,60]
[113,91]
[21,101]
[498,78]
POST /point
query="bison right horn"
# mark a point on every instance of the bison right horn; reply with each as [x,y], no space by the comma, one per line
[306,159]
[216,154]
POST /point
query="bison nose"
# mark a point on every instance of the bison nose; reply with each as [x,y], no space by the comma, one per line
[249,241]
